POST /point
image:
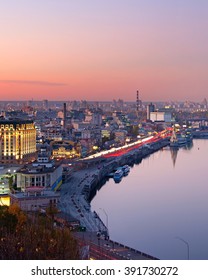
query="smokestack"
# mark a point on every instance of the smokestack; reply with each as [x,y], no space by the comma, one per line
[137,101]
[64,119]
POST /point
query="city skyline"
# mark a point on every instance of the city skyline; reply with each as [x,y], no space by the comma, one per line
[90,50]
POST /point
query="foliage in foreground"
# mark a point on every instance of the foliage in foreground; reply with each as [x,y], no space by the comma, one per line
[34,237]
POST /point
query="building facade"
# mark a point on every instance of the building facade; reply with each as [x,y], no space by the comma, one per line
[160,117]
[120,136]
[17,141]
[65,149]
[150,109]
[35,199]
[41,175]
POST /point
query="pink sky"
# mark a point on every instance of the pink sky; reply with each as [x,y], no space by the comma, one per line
[93,50]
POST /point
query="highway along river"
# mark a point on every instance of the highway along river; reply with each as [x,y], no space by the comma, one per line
[161,207]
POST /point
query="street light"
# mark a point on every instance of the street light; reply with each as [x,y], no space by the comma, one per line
[186,243]
[106,218]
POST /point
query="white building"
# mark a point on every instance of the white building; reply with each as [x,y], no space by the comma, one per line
[41,173]
[160,116]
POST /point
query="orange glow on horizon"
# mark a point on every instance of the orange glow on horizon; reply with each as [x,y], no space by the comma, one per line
[64,50]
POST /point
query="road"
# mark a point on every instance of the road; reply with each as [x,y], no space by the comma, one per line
[108,249]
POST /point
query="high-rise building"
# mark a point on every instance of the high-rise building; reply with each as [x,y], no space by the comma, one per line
[17,141]
[150,108]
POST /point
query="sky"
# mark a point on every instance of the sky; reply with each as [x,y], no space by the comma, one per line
[103,50]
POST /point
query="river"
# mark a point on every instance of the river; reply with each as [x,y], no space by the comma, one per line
[161,207]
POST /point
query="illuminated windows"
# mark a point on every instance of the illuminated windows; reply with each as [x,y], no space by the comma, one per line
[17,141]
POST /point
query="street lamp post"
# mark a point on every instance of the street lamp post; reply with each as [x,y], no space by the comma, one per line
[106,218]
[186,243]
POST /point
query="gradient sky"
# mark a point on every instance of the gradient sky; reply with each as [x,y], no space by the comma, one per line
[103,49]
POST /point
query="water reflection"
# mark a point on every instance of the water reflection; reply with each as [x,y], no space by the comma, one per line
[164,196]
[174,152]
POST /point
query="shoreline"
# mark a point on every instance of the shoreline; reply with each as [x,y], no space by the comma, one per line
[78,192]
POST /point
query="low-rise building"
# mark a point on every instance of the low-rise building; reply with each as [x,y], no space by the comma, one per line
[52,133]
[35,198]
[120,136]
[7,178]
[65,149]
[41,173]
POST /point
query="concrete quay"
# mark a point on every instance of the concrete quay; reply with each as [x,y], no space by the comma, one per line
[73,200]
[201,134]
[76,194]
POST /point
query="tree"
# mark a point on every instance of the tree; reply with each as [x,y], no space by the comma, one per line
[8,220]
[14,209]
[37,241]
[34,239]
[51,211]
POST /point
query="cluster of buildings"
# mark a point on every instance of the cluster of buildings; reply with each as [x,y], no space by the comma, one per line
[36,137]
[28,174]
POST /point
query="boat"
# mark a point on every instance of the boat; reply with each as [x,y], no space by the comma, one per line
[182,139]
[125,169]
[118,175]
[189,136]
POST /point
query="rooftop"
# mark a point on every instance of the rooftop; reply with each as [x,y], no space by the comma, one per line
[41,168]
[44,193]
[15,121]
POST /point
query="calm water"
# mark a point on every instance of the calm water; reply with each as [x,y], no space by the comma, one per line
[163,197]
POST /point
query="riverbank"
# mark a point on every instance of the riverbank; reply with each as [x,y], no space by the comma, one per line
[163,197]
[77,193]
